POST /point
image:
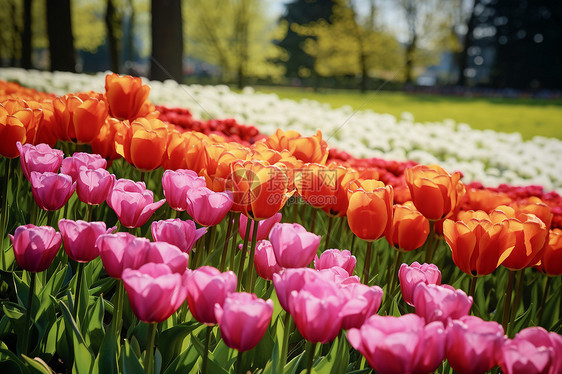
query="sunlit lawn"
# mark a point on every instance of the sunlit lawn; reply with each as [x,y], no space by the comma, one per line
[530,117]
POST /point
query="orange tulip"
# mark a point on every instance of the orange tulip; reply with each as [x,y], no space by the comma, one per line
[182,150]
[324,187]
[79,117]
[530,238]
[104,143]
[435,192]
[306,149]
[18,105]
[369,213]
[216,163]
[479,242]
[409,228]
[45,128]
[534,205]
[13,128]
[142,143]
[127,97]
[483,199]
[259,190]
[551,261]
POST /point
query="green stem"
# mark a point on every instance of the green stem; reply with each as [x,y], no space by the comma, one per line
[311,349]
[429,245]
[226,241]
[285,347]
[548,281]
[393,275]
[250,281]
[243,254]
[518,292]
[234,241]
[210,239]
[118,310]
[149,357]
[206,352]
[472,286]
[328,232]
[313,214]
[507,303]
[3,224]
[239,369]
[195,254]
[173,213]
[89,210]
[28,325]
[367,263]
[80,271]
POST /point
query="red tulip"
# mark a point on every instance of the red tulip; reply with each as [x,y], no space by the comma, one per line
[35,247]
[177,183]
[51,191]
[411,276]
[80,237]
[182,234]
[206,207]
[112,249]
[334,257]
[293,246]
[264,260]
[155,292]
[40,158]
[207,287]
[533,350]
[243,320]
[93,186]
[362,302]
[440,303]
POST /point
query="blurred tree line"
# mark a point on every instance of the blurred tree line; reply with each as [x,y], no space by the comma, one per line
[354,43]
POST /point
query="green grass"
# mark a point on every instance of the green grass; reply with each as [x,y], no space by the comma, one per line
[530,117]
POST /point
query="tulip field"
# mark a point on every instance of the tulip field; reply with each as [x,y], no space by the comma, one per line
[150,227]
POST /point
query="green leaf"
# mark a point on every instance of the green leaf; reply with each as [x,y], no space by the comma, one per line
[107,360]
[170,340]
[129,361]
[36,365]
[213,365]
[13,310]
[9,361]
[184,362]
[94,329]
[336,360]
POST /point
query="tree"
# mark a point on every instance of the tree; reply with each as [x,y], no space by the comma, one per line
[167,40]
[349,45]
[26,46]
[428,26]
[61,41]
[296,61]
[235,35]
[113,20]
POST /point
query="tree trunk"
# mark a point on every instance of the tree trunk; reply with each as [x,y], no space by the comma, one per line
[59,30]
[167,40]
[26,47]
[15,39]
[111,37]
[242,36]
[466,44]
[130,33]
[410,51]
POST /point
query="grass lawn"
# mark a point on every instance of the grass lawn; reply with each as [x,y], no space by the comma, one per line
[530,117]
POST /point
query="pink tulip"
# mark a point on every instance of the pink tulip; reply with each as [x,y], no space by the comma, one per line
[206,287]
[294,247]
[411,275]
[473,344]
[339,275]
[155,292]
[264,226]
[400,344]
[35,247]
[335,257]
[79,238]
[290,280]
[80,161]
[182,234]
[362,302]
[93,186]
[264,260]
[141,251]
[51,191]
[316,309]
[112,249]
[40,158]
[177,183]
[243,320]
[206,207]
[440,303]
[132,202]
[532,350]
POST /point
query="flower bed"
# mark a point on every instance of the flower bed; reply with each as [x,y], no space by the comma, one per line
[307,259]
